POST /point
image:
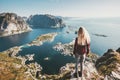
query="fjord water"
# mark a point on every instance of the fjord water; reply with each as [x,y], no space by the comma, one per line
[99,44]
[109,27]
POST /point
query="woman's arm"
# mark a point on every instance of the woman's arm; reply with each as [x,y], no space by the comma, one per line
[88,48]
[75,46]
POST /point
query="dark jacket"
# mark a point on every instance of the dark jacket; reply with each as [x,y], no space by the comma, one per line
[81,49]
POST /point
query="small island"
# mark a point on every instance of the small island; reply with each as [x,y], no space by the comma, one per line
[42,38]
[100,35]
[47,58]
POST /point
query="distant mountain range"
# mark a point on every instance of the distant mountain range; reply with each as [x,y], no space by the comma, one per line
[11,23]
[46,21]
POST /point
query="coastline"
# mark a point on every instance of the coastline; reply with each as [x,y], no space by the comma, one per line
[11,62]
[18,62]
[20,32]
[67,49]
[30,71]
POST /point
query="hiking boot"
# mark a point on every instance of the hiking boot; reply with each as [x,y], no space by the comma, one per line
[75,75]
[80,74]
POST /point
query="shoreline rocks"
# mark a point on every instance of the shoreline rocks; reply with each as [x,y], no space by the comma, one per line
[29,57]
[11,64]
[67,49]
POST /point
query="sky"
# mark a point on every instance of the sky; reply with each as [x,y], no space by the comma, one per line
[65,8]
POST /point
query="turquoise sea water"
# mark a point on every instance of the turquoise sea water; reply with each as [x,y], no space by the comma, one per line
[99,45]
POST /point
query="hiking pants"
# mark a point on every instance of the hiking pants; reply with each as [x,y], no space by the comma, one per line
[80,59]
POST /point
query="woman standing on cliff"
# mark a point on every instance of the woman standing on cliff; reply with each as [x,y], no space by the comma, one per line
[81,49]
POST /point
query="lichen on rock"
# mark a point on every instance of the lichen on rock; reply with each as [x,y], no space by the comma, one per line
[108,65]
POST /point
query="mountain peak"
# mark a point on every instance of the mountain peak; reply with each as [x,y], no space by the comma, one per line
[11,24]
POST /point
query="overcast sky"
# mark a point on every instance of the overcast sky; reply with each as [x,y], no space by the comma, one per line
[68,8]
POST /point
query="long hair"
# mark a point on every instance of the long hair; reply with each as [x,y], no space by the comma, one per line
[83,36]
